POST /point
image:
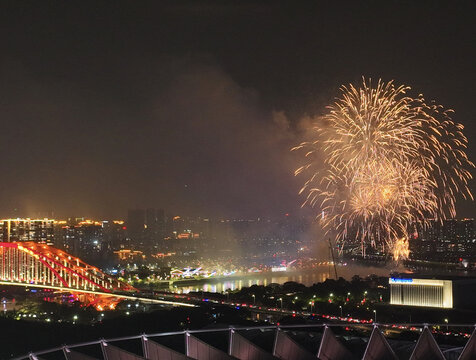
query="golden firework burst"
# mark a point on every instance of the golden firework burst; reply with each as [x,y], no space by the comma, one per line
[381,160]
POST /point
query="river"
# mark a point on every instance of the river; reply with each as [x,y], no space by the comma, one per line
[306,277]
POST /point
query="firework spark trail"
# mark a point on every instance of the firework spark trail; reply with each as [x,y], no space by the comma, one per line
[389,160]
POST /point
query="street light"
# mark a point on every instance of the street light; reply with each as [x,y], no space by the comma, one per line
[312,304]
[340,307]
[254,298]
[281,299]
[375,315]
[446,321]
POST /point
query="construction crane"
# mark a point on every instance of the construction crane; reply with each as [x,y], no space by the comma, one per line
[331,250]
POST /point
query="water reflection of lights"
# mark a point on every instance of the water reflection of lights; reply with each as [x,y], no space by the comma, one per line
[307,278]
[231,285]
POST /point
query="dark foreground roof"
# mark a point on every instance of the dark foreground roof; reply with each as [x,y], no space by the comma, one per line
[293,342]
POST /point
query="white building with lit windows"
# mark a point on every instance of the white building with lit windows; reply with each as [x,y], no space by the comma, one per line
[421,292]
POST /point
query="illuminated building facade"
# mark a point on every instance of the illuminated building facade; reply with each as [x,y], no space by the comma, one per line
[126,255]
[447,241]
[83,239]
[421,292]
[465,239]
[36,230]
[115,234]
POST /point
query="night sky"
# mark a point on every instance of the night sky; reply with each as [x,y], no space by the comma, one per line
[193,106]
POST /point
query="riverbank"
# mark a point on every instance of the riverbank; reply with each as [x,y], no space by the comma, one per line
[307,277]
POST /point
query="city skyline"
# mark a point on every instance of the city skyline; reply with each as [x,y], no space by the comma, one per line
[152,231]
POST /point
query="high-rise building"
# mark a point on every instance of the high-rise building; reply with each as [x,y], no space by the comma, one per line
[161,225]
[136,226]
[115,234]
[84,239]
[465,239]
[37,230]
[154,231]
[449,240]
[146,229]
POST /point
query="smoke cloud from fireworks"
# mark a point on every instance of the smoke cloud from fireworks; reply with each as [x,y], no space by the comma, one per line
[379,161]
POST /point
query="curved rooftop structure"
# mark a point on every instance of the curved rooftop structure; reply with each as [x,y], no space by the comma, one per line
[291,342]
